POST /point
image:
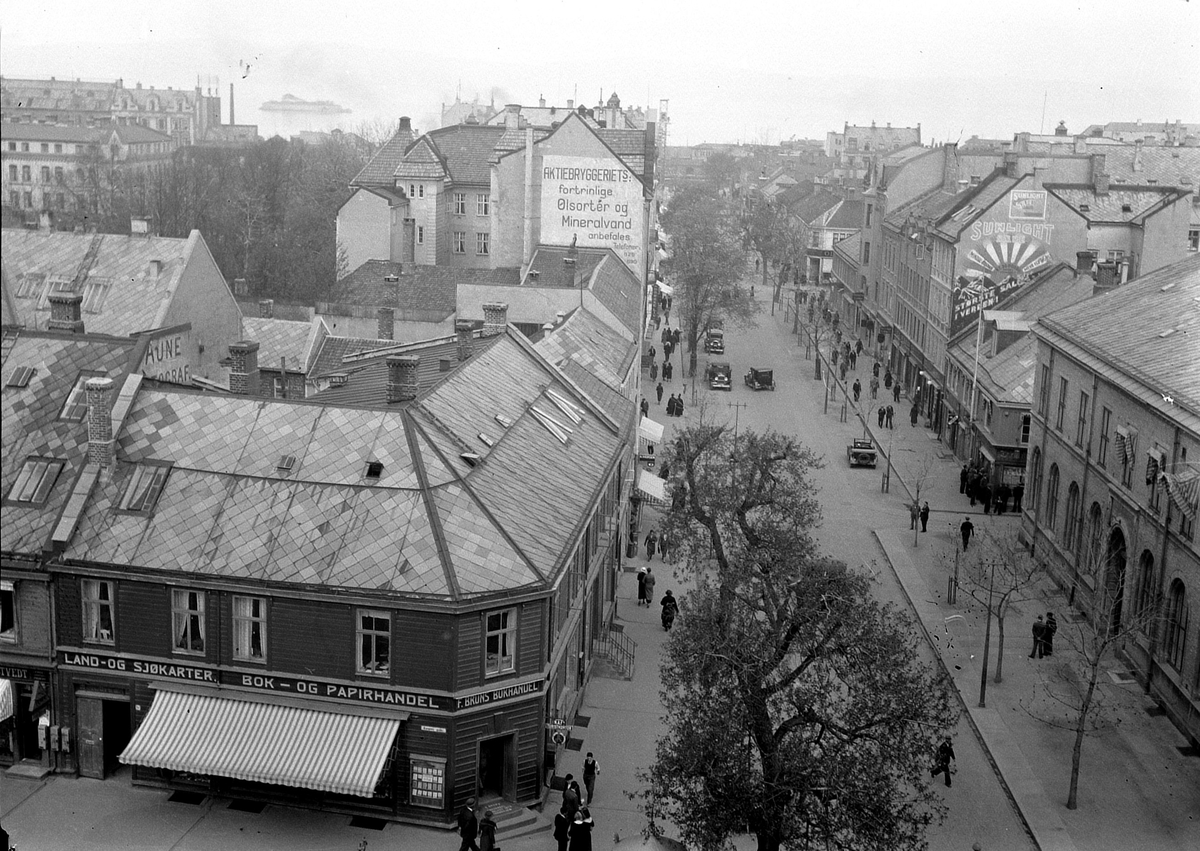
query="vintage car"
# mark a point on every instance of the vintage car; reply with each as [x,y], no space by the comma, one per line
[760,379]
[861,453]
[719,375]
[714,341]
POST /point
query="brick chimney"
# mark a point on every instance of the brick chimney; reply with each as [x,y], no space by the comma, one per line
[464,330]
[66,313]
[386,317]
[405,125]
[1012,164]
[512,116]
[243,374]
[1100,183]
[266,308]
[402,378]
[1137,154]
[1097,162]
[1106,277]
[1083,262]
[99,421]
[495,318]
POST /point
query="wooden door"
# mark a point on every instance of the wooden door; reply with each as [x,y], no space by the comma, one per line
[90,717]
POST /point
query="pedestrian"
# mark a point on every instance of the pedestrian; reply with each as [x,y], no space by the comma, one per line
[874,387]
[875,370]
[882,414]
[1018,493]
[891,412]
[887,379]
[985,496]
[966,528]
[468,826]
[834,357]
[645,407]
[668,370]
[857,389]
[590,769]
[487,832]
[659,392]
[679,405]
[858,347]
[641,580]
[962,479]
[853,359]
[913,413]
[914,512]
[924,516]
[581,831]
[571,801]
[562,829]
[649,586]
[973,487]
[1002,494]
[843,369]
[1039,638]
[651,542]
[941,763]
[1048,635]
[653,370]
[676,336]
[896,392]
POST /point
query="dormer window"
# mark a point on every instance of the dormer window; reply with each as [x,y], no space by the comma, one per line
[374,470]
[145,486]
[35,481]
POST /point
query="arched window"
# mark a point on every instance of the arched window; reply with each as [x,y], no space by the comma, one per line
[1176,625]
[1144,603]
[1052,498]
[1035,476]
[1095,549]
[1071,521]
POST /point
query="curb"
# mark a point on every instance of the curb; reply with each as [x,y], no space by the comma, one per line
[941,662]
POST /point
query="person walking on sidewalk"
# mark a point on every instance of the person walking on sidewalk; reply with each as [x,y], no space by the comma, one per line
[941,763]
[985,496]
[562,829]
[468,826]
[966,528]
[882,414]
[875,370]
[651,541]
[924,516]
[857,389]
[653,370]
[914,513]
[913,414]
[650,580]
[487,832]
[1018,493]
[887,379]
[571,797]
[581,831]
[659,391]
[1048,635]
[896,392]
[1039,638]
[874,385]
[590,769]
[962,476]
[891,412]
[645,407]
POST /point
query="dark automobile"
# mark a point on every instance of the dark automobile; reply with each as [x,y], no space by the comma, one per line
[714,341]
[719,375]
[861,453]
[760,379]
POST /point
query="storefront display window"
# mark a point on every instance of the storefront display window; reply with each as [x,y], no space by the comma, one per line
[427,781]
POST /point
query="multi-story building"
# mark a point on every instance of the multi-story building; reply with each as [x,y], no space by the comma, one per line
[1170,133]
[1114,471]
[853,149]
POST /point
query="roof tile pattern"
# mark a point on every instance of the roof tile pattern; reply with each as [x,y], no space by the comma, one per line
[379,170]
[1119,204]
[278,338]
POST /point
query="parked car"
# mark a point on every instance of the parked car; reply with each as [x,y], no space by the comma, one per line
[861,453]
[719,375]
[714,341]
[760,379]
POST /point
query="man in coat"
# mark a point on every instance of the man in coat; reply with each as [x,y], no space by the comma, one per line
[659,392]
[966,528]
[562,827]
[941,763]
[1039,638]
[924,516]
[468,826]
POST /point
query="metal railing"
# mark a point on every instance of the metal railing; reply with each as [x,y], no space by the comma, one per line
[617,647]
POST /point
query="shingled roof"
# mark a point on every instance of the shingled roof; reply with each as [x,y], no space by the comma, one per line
[379,169]
[426,288]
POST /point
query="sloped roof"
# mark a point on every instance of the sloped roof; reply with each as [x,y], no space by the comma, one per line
[953,212]
[1139,164]
[465,150]
[584,339]
[1122,203]
[547,261]
[418,288]
[811,206]
[332,350]
[116,266]
[851,246]
[848,215]
[618,289]
[12,132]
[382,166]
[1145,331]
[31,424]
[280,338]
[136,134]
[421,162]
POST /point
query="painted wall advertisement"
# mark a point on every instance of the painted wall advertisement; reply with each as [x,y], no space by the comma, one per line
[597,202]
[1002,256]
[166,359]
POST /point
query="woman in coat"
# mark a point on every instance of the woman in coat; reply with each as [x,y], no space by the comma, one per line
[581,831]
[487,832]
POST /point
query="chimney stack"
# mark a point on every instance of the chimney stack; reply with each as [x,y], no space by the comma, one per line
[1097,163]
[402,378]
[1100,182]
[1083,262]
[99,420]
[1106,277]
[464,330]
[266,308]
[495,318]
[560,317]
[386,318]
[512,116]
[243,374]
[1011,164]
[1137,154]
[66,313]
[405,125]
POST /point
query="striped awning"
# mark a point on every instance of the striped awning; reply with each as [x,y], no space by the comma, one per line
[264,742]
[6,699]
[654,488]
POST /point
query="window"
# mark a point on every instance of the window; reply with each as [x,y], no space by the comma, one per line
[501,643]
[27,200]
[45,147]
[1044,391]
[1026,421]
[870,209]
[144,487]
[374,642]
[58,174]
[1095,534]
[76,407]
[8,611]
[12,146]
[1144,602]
[483,243]
[483,204]
[866,253]
[45,174]
[1175,634]
[1081,425]
[14,198]
[460,203]
[1062,403]
[98,611]
[420,190]
[1052,497]
[1105,421]
[420,234]
[35,481]
[460,242]
[1071,525]
[58,149]
[277,388]
[24,147]
[249,629]
[12,173]
[187,620]
[1194,239]
[26,174]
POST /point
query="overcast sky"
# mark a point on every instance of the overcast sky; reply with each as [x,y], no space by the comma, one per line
[731,71]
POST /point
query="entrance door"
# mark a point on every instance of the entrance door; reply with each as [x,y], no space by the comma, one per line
[118,730]
[90,715]
[497,767]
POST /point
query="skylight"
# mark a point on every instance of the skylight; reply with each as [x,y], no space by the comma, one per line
[559,430]
[374,469]
[35,480]
[286,463]
[504,421]
[20,376]
[145,486]
[573,412]
[487,441]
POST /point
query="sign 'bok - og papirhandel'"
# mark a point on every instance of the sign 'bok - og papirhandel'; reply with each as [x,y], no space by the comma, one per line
[596,201]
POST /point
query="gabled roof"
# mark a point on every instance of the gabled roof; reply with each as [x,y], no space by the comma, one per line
[1121,203]
[1142,333]
[851,246]
[811,206]
[598,270]
[429,288]
[113,273]
[293,342]
[11,132]
[847,215]
[952,213]
[331,351]
[379,169]
[136,134]
[463,151]
[31,426]
[587,341]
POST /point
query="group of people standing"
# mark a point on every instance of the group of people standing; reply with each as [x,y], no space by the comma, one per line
[973,481]
[1043,636]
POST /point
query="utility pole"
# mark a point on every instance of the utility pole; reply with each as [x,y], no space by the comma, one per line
[987,639]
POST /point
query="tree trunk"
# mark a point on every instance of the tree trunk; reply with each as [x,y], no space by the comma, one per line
[1080,731]
[1000,647]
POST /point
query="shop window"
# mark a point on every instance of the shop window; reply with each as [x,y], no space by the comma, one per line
[249,629]
[34,482]
[427,781]
[460,203]
[187,621]
[483,204]
[8,611]
[500,645]
[98,611]
[1175,634]
[374,642]
[144,487]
